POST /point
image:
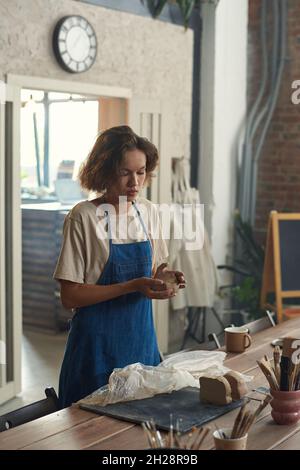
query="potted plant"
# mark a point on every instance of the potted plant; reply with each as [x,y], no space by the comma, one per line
[247,268]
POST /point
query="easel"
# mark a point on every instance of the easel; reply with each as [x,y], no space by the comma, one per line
[193,315]
[272,275]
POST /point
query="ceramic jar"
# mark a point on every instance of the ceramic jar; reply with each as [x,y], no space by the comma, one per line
[285,406]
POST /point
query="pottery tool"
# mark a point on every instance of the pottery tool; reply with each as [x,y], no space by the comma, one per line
[257,412]
[190,438]
[286,368]
[194,444]
[297,381]
[171,434]
[221,433]
[262,390]
[238,420]
[276,356]
[254,399]
[148,435]
[202,437]
[268,373]
[241,429]
[194,439]
[292,375]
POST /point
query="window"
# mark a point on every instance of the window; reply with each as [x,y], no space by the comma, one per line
[57,132]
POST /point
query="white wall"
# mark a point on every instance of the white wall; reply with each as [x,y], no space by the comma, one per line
[150,57]
[223,98]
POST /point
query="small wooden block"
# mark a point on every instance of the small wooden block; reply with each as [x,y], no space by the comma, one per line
[238,386]
[215,390]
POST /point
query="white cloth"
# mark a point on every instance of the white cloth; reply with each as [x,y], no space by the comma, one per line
[197,264]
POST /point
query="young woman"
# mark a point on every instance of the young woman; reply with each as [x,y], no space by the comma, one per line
[109,279]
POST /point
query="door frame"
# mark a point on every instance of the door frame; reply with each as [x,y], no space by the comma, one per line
[10,213]
[14,84]
[159,110]
[67,86]
[17,82]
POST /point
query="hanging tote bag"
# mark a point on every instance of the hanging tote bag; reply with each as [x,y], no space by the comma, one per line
[191,252]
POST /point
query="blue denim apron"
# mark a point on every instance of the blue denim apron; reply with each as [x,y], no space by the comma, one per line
[113,333]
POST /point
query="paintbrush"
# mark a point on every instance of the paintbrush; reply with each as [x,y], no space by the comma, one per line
[190,438]
[194,444]
[297,381]
[151,439]
[285,363]
[221,433]
[241,429]
[294,377]
[202,438]
[238,420]
[257,412]
[276,356]
[268,373]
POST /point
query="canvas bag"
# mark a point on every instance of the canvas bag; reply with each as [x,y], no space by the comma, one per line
[197,264]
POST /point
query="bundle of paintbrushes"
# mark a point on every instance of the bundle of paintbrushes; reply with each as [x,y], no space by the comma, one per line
[284,374]
[174,439]
[246,418]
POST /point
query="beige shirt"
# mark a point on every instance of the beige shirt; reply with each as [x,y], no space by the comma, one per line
[85,246]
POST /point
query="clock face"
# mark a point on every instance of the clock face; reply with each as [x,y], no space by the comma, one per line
[75,44]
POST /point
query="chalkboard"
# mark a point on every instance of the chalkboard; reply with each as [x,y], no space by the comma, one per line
[184,405]
[282,262]
[289,242]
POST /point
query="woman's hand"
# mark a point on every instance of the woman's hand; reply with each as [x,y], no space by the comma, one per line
[153,288]
[170,277]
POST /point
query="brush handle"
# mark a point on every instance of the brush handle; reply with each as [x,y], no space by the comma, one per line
[297,382]
[284,373]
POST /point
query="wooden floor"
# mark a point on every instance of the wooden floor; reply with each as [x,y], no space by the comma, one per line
[42,355]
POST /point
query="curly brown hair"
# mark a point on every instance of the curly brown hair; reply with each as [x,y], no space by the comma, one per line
[101,166]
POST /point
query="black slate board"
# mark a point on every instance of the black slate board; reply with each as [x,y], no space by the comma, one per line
[289,235]
[184,405]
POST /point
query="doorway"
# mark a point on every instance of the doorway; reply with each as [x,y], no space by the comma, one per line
[31,163]
[57,132]
[115,106]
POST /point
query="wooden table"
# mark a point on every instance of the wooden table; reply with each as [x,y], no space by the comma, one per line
[73,428]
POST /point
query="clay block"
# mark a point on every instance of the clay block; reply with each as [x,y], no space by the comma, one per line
[215,390]
[238,385]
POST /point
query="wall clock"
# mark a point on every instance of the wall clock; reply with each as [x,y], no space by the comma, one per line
[74,44]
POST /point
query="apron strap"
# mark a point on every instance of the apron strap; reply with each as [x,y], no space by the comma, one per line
[108,227]
[141,220]
[139,216]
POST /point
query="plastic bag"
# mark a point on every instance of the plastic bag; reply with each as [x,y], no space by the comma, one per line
[138,381]
[179,370]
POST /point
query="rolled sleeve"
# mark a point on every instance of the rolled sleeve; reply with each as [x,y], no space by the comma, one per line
[71,264]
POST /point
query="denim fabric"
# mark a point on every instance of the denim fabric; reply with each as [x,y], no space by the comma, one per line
[110,334]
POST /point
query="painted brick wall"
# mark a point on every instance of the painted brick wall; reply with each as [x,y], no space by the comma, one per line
[278,185]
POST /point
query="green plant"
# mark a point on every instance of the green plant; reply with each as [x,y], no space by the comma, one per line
[186,7]
[247,267]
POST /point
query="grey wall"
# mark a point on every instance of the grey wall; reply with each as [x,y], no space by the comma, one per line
[152,58]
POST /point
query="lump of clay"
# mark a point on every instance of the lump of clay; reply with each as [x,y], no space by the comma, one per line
[215,390]
[170,280]
[238,385]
